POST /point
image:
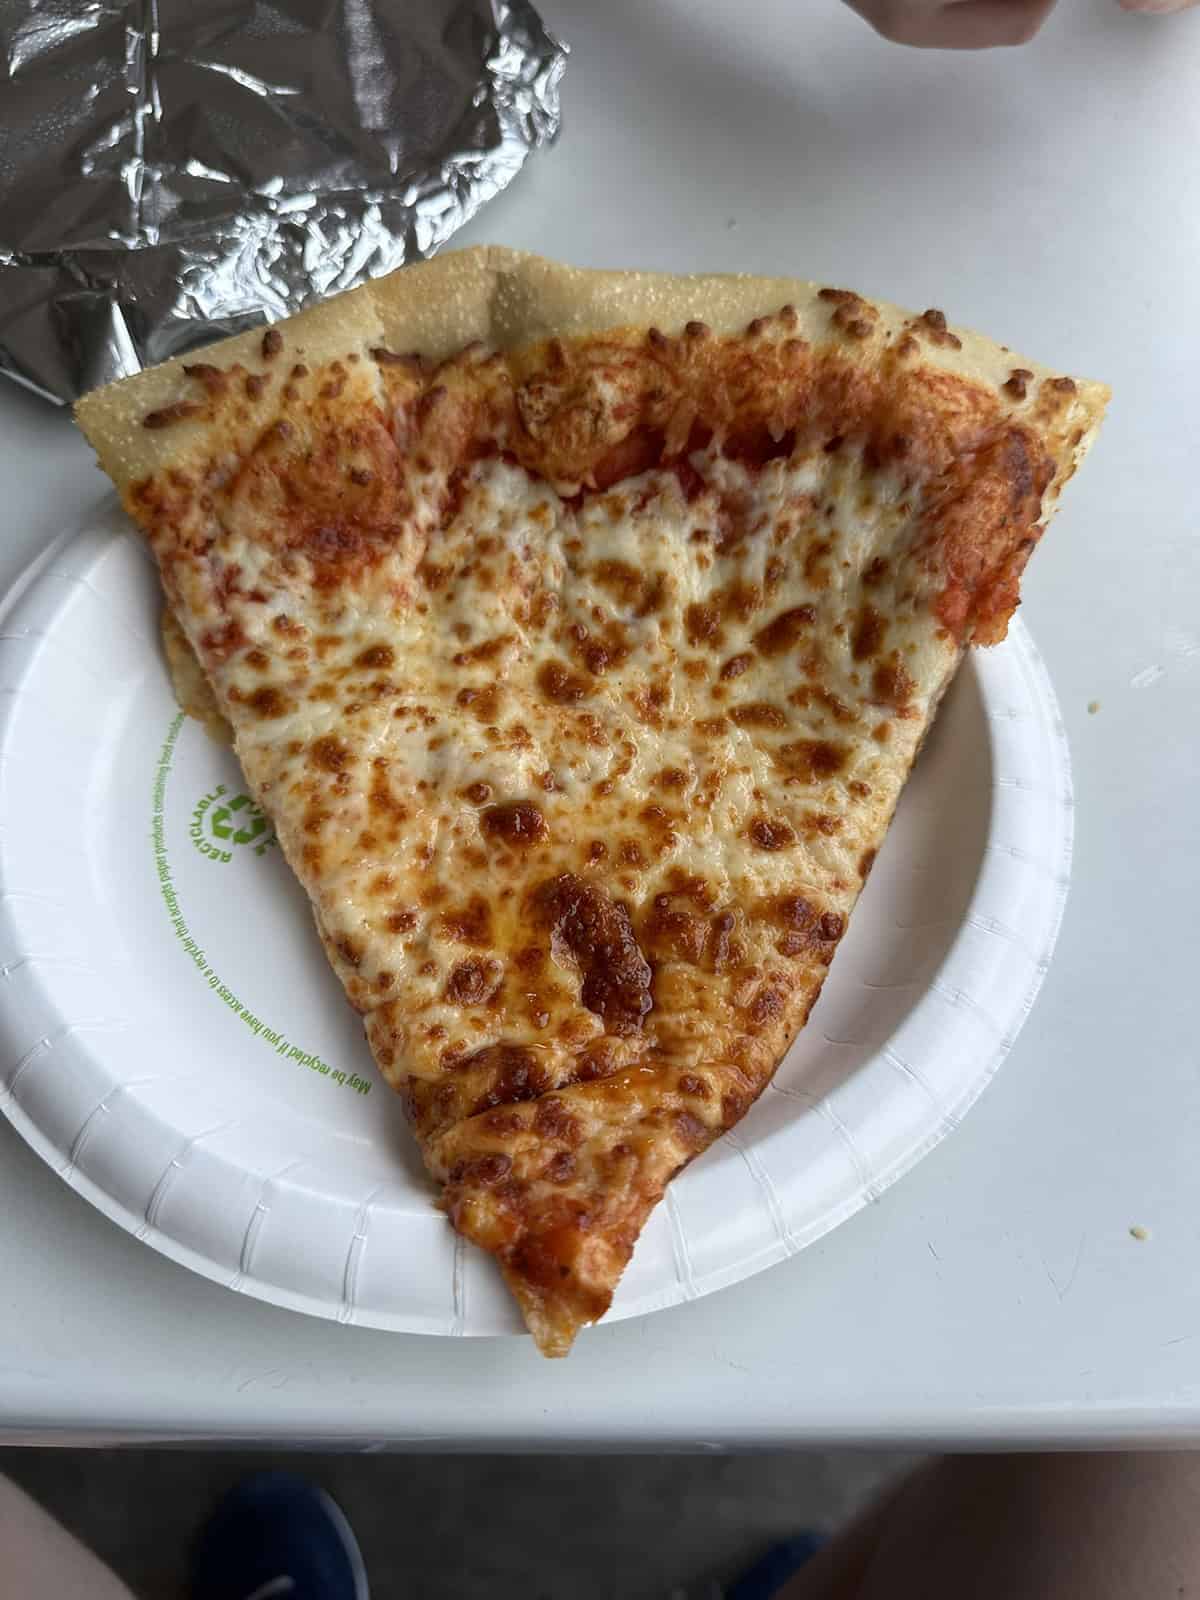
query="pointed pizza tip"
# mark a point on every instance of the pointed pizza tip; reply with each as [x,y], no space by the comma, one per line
[551,1320]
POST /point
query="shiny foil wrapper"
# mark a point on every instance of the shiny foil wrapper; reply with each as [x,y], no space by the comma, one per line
[175,170]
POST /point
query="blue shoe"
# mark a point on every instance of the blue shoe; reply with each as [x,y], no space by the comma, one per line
[275,1536]
[781,1562]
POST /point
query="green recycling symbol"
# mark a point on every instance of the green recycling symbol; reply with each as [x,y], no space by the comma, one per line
[224,822]
[220,820]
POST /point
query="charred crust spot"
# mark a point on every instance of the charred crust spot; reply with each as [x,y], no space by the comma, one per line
[697,330]
[736,665]
[865,862]
[560,1168]
[515,822]
[1018,382]
[213,378]
[168,416]
[935,319]
[593,931]
[657,340]
[255,385]
[402,921]
[695,1088]
[1062,385]
[478,793]
[272,344]
[391,358]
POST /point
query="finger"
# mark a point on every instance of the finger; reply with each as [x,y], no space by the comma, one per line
[957,24]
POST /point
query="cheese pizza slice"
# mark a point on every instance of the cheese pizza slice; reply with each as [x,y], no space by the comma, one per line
[578,631]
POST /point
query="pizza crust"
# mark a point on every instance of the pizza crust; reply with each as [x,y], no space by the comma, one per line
[506,298]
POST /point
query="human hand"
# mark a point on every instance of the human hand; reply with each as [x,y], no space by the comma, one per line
[975,24]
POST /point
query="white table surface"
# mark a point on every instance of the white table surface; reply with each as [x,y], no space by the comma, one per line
[1052,197]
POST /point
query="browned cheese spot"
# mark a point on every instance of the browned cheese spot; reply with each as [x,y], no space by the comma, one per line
[515,822]
[591,930]
[781,635]
[473,981]
[869,630]
[891,686]
[771,833]
[376,657]
[470,923]
[559,684]
[269,703]
[812,760]
[329,754]
[806,931]
[758,714]
[702,621]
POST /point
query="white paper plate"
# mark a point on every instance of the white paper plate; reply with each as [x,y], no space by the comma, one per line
[177,1049]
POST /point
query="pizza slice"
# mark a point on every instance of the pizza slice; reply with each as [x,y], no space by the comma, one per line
[578,631]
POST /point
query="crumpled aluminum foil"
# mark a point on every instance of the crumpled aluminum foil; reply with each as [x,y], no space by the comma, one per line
[172,170]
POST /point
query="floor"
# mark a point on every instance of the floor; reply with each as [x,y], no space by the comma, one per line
[465,1528]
